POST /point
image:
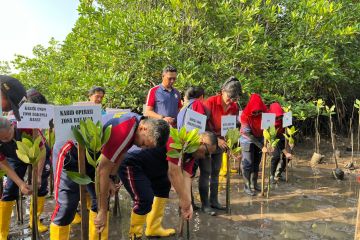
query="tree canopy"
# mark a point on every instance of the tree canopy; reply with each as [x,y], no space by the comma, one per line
[286,50]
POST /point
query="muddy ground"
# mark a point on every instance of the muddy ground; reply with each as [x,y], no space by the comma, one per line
[309,206]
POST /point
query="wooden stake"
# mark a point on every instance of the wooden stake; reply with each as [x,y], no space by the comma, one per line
[228,210]
[357,226]
[286,164]
[34,174]
[51,182]
[263,159]
[84,211]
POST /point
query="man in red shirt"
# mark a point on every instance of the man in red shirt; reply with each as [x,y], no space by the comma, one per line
[217,106]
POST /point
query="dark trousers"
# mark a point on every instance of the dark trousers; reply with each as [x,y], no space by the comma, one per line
[67,193]
[251,158]
[209,173]
[277,155]
[11,190]
[142,189]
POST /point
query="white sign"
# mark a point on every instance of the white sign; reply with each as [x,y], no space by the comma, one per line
[69,117]
[287,119]
[227,122]
[194,120]
[35,115]
[267,120]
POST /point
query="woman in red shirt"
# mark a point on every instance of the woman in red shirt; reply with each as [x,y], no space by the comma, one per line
[224,103]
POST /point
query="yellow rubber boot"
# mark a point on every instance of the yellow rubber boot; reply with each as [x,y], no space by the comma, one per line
[5,216]
[223,169]
[136,226]
[40,208]
[59,232]
[154,219]
[77,219]
[93,234]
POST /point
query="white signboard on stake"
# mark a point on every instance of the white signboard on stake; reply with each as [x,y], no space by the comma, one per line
[287,119]
[35,115]
[227,122]
[68,117]
[194,120]
[267,120]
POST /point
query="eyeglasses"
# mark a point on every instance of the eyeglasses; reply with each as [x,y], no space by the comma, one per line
[207,153]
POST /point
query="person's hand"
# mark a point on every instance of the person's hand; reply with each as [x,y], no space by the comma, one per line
[288,155]
[222,144]
[113,188]
[291,145]
[100,221]
[170,120]
[25,189]
[187,213]
[39,181]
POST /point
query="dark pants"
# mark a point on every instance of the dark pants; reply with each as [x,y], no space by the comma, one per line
[67,193]
[251,158]
[142,189]
[11,190]
[144,175]
[209,172]
[277,155]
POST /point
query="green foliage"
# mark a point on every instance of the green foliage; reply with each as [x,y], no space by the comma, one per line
[29,150]
[270,136]
[357,104]
[298,49]
[289,135]
[184,142]
[2,173]
[92,137]
[79,178]
[330,110]
[232,138]
[50,138]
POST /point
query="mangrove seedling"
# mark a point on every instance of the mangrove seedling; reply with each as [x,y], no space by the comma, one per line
[30,152]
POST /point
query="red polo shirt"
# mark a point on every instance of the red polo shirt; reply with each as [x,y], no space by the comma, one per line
[215,110]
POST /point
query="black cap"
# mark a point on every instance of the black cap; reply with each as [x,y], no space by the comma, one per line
[14,92]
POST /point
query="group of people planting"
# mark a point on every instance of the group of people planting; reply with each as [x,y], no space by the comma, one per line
[136,152]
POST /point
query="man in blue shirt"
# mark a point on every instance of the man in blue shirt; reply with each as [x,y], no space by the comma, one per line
[164,101]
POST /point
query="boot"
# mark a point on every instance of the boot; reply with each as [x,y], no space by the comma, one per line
[254,186]
[136,225]
[214,202]
[59,232]
[5,213]
[223,169]
[40,208]
[247,189]
[77,219]
[154,219]
[93,234]
[204,197]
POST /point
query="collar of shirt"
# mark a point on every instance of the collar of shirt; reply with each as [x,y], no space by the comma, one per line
[163,88]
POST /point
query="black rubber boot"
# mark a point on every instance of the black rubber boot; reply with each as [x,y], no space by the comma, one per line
[247,189]
[205,205]
[254,185]
[214,202]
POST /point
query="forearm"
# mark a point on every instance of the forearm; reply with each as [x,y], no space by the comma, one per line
[152,114]
[254,140]
[176,179]
[104,170]
[11,173]
[187,187]
[115,168]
